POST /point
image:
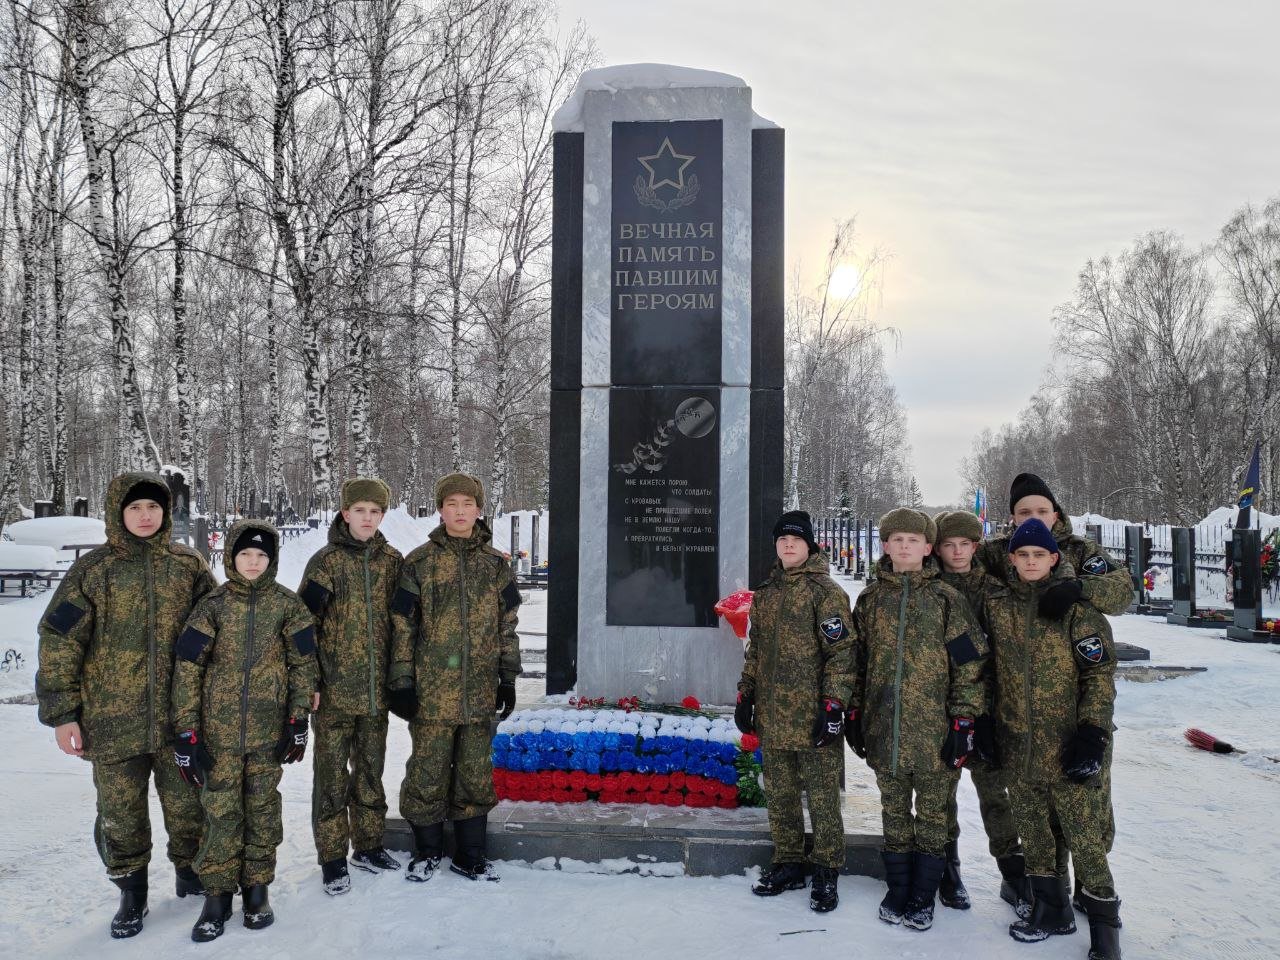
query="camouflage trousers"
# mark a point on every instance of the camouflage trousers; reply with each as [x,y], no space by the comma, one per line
[1107,813]
[925,831]
[450,773]
[1081,813]
[242,821]
[122,830]
[816,772]
[348,803]
[993,804]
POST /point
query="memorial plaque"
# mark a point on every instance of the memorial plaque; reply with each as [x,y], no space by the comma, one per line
[665,261]
[664,515]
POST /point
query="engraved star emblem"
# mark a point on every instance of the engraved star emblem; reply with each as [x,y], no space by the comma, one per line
[668,164]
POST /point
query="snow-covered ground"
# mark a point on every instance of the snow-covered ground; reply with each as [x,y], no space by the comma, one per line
[1197,857]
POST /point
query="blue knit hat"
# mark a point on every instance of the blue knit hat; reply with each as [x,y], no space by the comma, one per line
[1033,533]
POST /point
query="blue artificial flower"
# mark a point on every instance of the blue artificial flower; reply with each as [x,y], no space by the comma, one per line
[609,760]
[595,741]
[611,741]
[578,760]
[627,741]
[502,741]
[530,760]
[593,763]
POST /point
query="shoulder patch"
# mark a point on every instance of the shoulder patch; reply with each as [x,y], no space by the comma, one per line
[1091,649]
[962,649]
[315,596]
[510,596]
[305,640]
[191,644]
[64,616]
[834,629]
[405,600]
[1098,565]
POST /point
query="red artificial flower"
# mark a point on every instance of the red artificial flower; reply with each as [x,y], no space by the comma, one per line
[640,782]
[731,804]
[677,780]
[659,781]
[629,703]
[560,780]
[594,782]
[750,742]
[578,780]
[577,796]
[653,796]
[545,779]
[691,703]
[673,798]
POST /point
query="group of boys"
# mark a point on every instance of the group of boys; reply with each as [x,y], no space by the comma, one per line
[149,668]
[996,655]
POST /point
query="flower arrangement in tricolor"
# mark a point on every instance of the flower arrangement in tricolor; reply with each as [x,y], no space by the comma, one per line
[1269,558]
[671,756]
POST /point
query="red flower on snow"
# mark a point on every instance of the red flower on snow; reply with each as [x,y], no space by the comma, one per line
[750,742]
[691,703]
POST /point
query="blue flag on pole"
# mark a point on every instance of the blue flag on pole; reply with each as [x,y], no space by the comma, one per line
[1249,489]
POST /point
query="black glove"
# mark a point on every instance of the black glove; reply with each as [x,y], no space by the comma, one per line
[744,714]
[403,702]
[506,700]
[1058,599]
[853,735]
[959,743]
[830,723]
[984,741]
[193,760]
[293,741]
[1082,756]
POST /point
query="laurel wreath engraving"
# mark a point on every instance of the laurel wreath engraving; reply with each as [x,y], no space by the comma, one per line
[648,197]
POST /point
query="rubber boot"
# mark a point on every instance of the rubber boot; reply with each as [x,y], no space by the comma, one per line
[133,905]
[257,908]
[213,918]
[926,874]
[824,897]
[428,848]
[187,883]
[375,860]
[897,874]
[1014,888]
[335,877]
[469,849]
[1104,926]
[780,878]
[951,890]
[1051,912]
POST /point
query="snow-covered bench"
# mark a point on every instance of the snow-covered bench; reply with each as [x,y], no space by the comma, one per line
[28,564]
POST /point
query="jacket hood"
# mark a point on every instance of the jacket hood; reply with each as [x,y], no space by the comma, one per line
[481,536]
[885,571]
[816,564]
[340,536]
[228,562]
[117,536]
[1020,587]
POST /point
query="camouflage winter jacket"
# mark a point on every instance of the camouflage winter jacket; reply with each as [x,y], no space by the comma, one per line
[245,660]
[800,652]
[107,638]
[1106,584]
[454,626]
[348,586]
[919,662]
[973,585]
[1050,676]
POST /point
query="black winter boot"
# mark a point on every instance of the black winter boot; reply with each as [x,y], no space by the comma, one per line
[133,904]
[216,912]
[187,883]
[1051,913]
[375,860]
[951,890]
[780,878]
[926,874]
[1104,926]
[823,897]
[468,849]
[257,909]
[334,876]
[1014,889]
[428,848]
[897,874]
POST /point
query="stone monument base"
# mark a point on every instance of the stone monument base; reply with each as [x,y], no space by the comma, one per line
[697,843]
[1245,635]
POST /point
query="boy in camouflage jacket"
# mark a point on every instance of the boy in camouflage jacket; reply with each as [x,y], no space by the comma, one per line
[1054,700]
[106,654]
[243,681]
[795,682]
[917,689]
[455,658]
[959,535]
[348,586]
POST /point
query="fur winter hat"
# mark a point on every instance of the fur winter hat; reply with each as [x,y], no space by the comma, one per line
[957,523]
[795,523]
[463,483]
[1033,533]
[369,489]
[906,520]
[1029,485]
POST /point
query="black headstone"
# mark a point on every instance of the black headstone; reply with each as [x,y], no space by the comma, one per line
[81,507]
[179,505]
[43,508]
[534,541]
[1184,571]
[1246,578]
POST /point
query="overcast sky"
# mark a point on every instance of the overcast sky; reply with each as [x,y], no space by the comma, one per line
[991,148]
